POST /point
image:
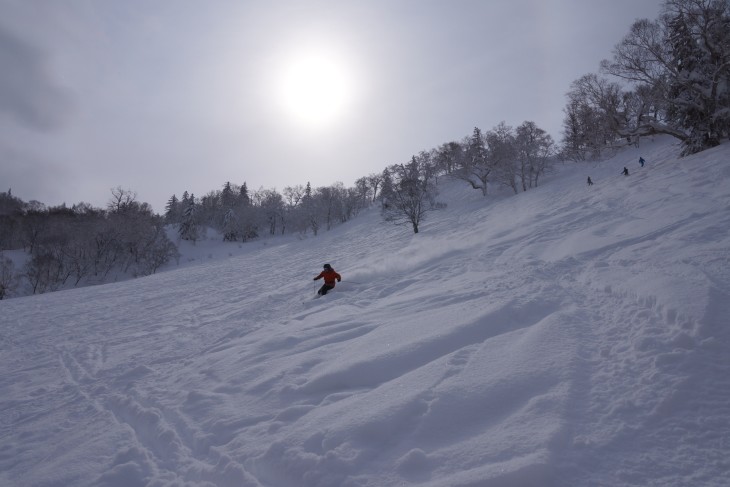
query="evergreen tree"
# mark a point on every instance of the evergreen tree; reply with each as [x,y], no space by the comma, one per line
[243,198]
[189,229]
[172,210]
[230,226]
[228,199]
[310,209]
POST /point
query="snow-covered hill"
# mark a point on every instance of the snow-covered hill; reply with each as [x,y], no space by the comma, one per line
[567,336]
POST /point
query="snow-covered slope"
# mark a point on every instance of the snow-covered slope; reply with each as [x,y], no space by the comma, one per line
[567,336]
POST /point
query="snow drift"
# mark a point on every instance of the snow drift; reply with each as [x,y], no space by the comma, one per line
[567,336]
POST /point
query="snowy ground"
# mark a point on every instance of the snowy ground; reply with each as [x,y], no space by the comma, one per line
[568,336]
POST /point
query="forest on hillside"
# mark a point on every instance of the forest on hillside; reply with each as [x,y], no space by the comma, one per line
[669,76]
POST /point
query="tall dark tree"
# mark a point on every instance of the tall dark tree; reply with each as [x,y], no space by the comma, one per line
[11,212]
[189,229]
[228,198]
[243,197]
[172,210]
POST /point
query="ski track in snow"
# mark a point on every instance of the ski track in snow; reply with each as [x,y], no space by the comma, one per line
[566,336]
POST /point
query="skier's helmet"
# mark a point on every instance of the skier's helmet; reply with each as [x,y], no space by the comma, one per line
[327,266]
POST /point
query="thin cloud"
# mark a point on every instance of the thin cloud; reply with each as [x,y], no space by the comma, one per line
[29,96]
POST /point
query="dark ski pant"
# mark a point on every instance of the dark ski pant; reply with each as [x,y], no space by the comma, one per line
[323,290]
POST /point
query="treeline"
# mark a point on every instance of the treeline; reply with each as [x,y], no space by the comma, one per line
[241,215]
[504,156]
[674,78]
[516,158]
[79,245]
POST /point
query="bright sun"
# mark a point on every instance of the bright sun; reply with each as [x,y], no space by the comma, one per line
[314,89]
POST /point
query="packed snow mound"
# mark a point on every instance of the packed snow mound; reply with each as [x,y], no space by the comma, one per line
[566,336]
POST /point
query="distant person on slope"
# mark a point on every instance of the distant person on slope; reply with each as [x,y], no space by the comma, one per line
[641,161]
[590,181]
[625,172]
[329,276]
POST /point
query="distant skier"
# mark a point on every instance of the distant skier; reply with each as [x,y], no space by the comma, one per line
[641,161]
[625,172]
[590,182]
[330,276]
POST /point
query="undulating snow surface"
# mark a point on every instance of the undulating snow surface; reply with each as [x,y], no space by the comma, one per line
[567,336]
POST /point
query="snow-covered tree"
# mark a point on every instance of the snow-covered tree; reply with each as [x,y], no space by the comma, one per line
[329,201]
[412,194]
[156,250]
[503,155]
[475,167]
[353,201]
[699,33]
[172,210]
[448,156]
[271,208]
[293,197]
[209,210]
[375,180]
[230,226]
[243,197]
[534,151]
[363,191]
[590,123]
[387,187]
[189,229]
[69,245]
[310,209]
[684,58]
[228,197]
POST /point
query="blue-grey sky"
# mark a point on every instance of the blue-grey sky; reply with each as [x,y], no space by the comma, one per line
[172,95]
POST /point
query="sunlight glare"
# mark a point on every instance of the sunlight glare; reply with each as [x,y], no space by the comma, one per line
[314,89]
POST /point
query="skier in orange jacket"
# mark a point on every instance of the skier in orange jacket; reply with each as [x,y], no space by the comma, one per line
[329,276]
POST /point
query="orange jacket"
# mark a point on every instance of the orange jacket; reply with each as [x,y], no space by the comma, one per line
[329,277]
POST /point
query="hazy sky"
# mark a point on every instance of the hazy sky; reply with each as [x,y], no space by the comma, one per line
[171,95]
